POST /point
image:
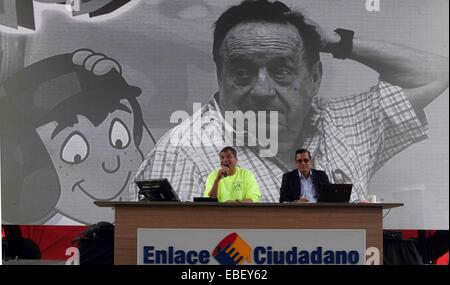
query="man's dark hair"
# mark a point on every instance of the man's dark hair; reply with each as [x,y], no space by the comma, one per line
[230,149]
[265,11]
[302,150]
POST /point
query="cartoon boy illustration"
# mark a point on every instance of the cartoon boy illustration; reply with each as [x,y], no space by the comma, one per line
[71,133]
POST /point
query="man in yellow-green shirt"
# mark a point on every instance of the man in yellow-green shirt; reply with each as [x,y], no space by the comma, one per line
[231,183]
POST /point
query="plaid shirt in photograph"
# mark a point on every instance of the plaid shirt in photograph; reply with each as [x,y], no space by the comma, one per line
[349,138]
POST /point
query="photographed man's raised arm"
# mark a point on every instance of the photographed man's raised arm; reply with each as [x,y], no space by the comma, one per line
[422,75]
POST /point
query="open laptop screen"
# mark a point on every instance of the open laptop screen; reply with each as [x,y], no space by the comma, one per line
[157,190]
[336,193]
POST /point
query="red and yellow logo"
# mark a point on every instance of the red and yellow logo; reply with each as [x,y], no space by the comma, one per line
[232,250]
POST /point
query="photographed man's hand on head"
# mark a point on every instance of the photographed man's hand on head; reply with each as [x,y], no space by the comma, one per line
[327,37]
[422,75]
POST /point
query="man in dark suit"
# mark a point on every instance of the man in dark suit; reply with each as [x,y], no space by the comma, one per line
[303,184]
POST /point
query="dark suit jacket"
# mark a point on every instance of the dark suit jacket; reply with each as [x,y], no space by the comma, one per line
[290,185]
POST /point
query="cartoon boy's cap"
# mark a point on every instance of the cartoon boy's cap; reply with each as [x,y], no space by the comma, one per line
[59,78]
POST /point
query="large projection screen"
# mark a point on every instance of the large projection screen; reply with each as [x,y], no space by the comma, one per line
[60,153]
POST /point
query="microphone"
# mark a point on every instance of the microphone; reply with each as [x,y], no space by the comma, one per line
[227,166]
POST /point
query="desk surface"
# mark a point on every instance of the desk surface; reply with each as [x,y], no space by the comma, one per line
[237,204]
[130,216]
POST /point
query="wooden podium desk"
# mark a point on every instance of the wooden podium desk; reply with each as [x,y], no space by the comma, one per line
[129,216]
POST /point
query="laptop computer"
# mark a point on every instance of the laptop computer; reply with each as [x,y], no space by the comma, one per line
[157,190]
[205,199]
[336,193]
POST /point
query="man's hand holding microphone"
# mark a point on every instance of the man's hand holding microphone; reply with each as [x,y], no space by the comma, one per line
[224,171]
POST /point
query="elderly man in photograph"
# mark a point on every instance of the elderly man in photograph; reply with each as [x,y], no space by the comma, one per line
[268,59]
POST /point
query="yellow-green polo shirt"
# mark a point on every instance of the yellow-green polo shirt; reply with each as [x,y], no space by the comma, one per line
[240,186]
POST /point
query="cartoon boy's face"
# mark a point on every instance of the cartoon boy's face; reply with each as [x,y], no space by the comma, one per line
[93,163]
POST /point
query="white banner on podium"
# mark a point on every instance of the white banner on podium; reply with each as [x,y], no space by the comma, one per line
[254,247]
